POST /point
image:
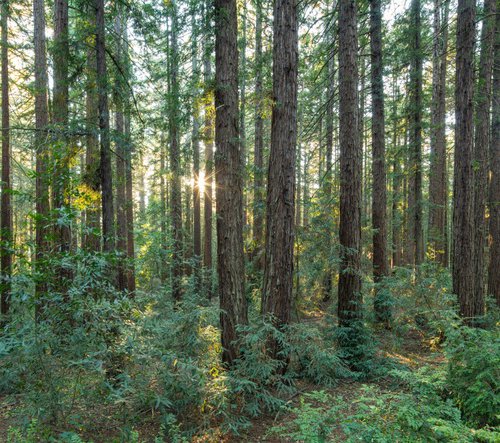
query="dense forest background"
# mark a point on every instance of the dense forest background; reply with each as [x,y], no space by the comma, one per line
[227,220]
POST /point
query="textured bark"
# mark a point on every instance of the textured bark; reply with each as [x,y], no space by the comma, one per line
[120,149]
[92,179]
[60,152]
[243,103]
[105,170]
[258,194]
[230,260]
[6,236]
[379,202]
[174,157]
[280,222]
[41,123]
[129,204]
[481,147]
[438,180]
[397,258]
[463,219]
[494,170]
[415,185]
[349,289]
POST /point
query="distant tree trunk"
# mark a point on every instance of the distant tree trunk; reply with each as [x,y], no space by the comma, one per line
[415,186]
[438,180]
[349,289]
[396,181]
[142,186]
[463,218]
[60,151]
[41,142]
[129,207]
[494,169]
[481,147]
[163,213]
[243,80]
[230,260]
[379,203]
[121,217]
[92,179]
[258,203]
[209,158]
[106,172]
[6,236]
[175,181]
[280,222]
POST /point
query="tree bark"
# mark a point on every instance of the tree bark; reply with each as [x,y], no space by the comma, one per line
[379,202]
[280,222]
[481,147]
[230,260]
[6,236]
[463,219]
[349,288]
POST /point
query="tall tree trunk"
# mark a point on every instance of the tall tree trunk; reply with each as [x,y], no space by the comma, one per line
[349,289]
[106,172]
[438,181]
[6,236]
[60,151]
[494,170]
[121,215]
[481,147]
[280,222]
[243,80]
[463,218]
[41,135]
[92,179]
[175,180]
[258,203]
[379,202]
[129,198]
[229,194]
[396,180]
[415,186]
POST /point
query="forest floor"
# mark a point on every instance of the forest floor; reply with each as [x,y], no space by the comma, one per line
[410,350]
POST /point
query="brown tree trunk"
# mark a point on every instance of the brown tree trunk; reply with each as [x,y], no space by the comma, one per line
[41,142]
[230,260]
[415,185]
[494,170]
[258,203]
[280,222]
[106,172]
[243,81]
[481,147]
[463,195]
[349,289]
[175,180]
[438,180]
[379,202]
[6,236]
[129,204]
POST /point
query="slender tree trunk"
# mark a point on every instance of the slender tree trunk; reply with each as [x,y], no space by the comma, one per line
[379,202]
[415,185]
[6,236]
[258,203]
[396,180]
[280,233]
[463,218]
[243,80]
[106,172]
[230,259]
[41,142]
[349,289]
[175,181]
[129,197]
[481,147]
[438,186]
[494,170]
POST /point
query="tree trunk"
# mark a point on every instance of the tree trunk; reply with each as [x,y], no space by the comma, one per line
[463,219]
[494,188]
[415,185]
[379,202]
[481,147]
[349,289]
[106,172]
[229,194]
[6,236]
[41,134]
[243,80]
[129,204]
[438,181]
